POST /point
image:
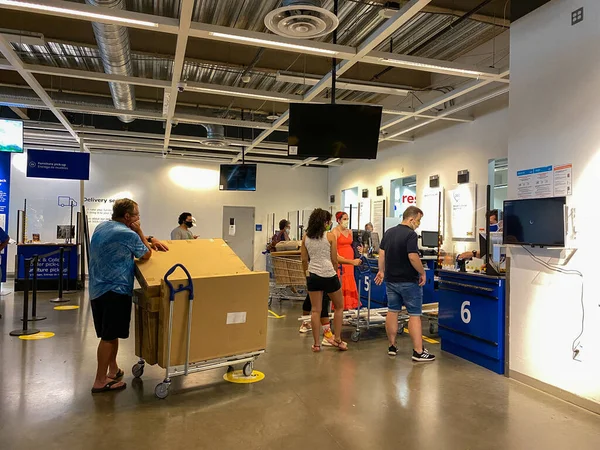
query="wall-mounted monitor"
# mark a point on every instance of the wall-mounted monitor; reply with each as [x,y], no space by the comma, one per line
[334,131]
[238,177]
[11,136]
[536,222]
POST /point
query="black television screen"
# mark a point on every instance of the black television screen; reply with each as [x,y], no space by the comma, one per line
[539,221]
[238,177]
[334,131]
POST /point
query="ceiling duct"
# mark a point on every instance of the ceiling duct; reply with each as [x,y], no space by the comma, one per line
[215,136]
[115,52]
[301,19]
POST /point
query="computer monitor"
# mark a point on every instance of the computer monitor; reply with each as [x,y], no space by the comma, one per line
[430,239]
[375,241]
[483,247]
[65,231]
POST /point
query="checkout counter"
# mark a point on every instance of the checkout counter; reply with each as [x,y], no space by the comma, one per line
[48,268]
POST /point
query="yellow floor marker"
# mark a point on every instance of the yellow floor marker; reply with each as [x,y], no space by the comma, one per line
[275,316]
[37,336]
[425,338]
[237,376]
[66,307]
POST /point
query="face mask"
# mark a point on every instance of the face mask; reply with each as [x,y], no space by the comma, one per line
[328,227]
[344,223]
[189,224]
[287,230]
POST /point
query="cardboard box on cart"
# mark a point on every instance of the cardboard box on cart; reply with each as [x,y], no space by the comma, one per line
[229,315]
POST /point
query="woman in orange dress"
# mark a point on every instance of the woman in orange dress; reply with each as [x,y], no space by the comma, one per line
[346,258]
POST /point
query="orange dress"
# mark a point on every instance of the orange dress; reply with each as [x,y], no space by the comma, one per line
[349,290]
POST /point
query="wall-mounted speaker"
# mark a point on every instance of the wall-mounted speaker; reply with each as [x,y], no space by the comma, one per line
[379,191]
[365,193]
[434,181]
[463,177]
[332,199]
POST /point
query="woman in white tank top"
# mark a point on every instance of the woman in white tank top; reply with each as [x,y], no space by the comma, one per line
[320,261]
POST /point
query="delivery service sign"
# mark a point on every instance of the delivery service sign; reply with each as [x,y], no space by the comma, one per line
[58,165]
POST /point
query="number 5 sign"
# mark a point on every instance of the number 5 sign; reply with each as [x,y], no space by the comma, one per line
[465,314]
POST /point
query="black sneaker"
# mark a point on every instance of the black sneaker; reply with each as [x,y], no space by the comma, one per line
[393,350]
[423,357]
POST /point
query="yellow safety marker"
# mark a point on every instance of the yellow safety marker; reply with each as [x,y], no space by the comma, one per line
[425,338]
[237,376]
[66,307]
[37,336]
[275,316]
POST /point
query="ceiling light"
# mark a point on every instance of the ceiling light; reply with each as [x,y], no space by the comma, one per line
[235,93]
[331,160]
[77,13]
[265,42]
[273,117]
[433,67]
[341,84]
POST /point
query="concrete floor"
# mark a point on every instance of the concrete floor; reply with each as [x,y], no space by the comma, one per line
[361,399]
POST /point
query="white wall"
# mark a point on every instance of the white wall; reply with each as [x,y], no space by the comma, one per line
[445,152]
[166,188]
[554,119]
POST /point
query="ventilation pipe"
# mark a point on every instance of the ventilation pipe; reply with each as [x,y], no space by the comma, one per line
[115,52]
[215,135]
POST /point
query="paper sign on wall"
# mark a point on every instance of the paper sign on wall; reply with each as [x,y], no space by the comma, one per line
[431,209]
[365,213]
[463,201]
[378,212]
[543,182]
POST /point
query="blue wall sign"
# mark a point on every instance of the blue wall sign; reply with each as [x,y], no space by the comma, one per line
[59,165]
[48,268]
[4,204]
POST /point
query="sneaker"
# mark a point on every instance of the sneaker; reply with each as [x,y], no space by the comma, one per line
[423,357]
[393,350]
[327,339]
[305,327]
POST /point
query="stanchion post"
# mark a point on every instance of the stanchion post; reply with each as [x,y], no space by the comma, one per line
[25,330]
[34,315]
[60,298]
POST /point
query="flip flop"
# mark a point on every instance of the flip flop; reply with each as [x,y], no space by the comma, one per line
[120,374]
[109,387]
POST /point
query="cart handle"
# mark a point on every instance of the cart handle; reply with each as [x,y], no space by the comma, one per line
[364,266]
[181,288]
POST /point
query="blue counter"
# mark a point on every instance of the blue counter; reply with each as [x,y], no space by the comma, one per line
[366,281]
[472,317]
[48,268]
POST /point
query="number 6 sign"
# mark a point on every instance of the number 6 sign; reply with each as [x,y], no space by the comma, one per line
[465,314]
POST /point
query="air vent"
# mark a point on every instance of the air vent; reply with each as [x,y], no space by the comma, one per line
[215,136]
[301,19]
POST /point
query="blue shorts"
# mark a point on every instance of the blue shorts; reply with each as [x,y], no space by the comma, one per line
[408,294]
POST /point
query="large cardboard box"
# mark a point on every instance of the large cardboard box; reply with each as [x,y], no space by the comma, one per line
[229,315]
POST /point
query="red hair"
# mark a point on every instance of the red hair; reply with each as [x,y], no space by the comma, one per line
[339,215]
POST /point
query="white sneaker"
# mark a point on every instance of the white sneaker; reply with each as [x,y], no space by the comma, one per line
[305,327]
[327,339]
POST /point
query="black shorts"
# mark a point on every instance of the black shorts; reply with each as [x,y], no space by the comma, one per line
[307,305]
[328,285]
[112,315]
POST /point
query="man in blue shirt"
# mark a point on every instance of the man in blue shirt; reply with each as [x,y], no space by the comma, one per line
[113,248]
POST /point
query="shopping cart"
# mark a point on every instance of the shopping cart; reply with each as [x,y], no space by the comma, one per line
[289,280]
[162,389]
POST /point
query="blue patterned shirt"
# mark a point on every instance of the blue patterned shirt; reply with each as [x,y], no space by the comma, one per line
[112,251]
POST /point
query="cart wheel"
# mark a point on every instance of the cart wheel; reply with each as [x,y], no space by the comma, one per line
[248,368]
[162,390]
[230,369]
[401,329]
[433,328]
[270,301]
[355,336]
[137,370]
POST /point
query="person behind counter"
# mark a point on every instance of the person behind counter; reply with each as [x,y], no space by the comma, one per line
[282,235]
[113,248]
[319,260]
[495,226]
[401,268]
[182,232]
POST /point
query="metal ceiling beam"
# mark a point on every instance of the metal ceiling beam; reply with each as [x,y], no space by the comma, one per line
[305,162]
[407,12]
[463,90]
[185,20]
[82,11]
[15,61]
[455,109]
[19,112]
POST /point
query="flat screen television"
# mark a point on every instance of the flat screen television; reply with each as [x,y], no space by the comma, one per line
[11,136]
[334,131]
[238,177]
[536,222]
